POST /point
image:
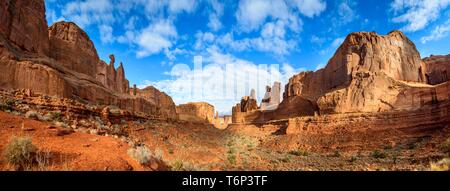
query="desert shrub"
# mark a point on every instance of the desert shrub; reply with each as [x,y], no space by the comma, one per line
[298,153]
[378,154]
[232,159]
[33,115]
[353,159]
[180,165]
[446,147]
[43,159]
[118,130]
[8,105]
[20,152]
[177,165]
[442,165]
[336,154]
[143,155]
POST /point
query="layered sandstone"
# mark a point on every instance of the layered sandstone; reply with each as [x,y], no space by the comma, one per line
[158,98]
[63,65]
[72,48]
[438,69]
[24,26]
[366,74]
[196,112]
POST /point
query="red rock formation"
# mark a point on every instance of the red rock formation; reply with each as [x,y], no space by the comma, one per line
[24,26]
[72,48]
[366,74]
[197,112]
[438,69]
[161,99]
[70,70]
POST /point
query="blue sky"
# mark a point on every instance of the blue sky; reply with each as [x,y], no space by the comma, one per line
[158,40]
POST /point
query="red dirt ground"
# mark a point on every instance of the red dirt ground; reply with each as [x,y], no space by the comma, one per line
[76,151]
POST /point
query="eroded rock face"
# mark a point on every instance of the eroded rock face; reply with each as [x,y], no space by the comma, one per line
[161,99]
[197,112]
[438,69]
[365,75]
[72,48]
[23,24]
[72,68]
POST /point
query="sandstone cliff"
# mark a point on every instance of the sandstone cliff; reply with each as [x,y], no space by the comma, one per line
[23,24]
[161,99]
[196,112]
[366,74]
[62,61]
[438,69]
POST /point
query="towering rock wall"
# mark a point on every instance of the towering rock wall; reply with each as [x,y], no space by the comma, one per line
[198,112]
[438,69]
[366,74]
[72,48]
[24,26]
[62,61]
[154,96]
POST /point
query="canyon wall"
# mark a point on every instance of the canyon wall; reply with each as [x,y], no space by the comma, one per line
[196,112]
[366,74]
[438,69]
[62,61]
[24,26]
[369,73]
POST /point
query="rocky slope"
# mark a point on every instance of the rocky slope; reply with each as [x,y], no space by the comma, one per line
[62,61]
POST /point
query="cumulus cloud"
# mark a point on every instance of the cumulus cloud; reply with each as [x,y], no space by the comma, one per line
[156,38]
[89,12]
[106,33]
[214,17]
[221,79]
[311,8]
[337,42]
[441,31]
[417,14]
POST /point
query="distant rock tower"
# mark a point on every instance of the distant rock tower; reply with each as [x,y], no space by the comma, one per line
[271,99]
[253,94]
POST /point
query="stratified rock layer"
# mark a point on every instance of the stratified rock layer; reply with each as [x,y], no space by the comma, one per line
[72,48]
[196,112]
[23,24]
[438,69]
[62,61]
[366,74]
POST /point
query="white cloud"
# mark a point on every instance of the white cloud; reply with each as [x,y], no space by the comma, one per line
[222,80]
[311,8]
[441,31]
[317,40]
[106,33]
[88,12]
[156,37]
[417,14]
[214,17]
[177,6]
[337,42]
[346,13]
[320,66]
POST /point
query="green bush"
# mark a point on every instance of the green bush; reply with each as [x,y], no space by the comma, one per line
[20,152]
[378,154]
